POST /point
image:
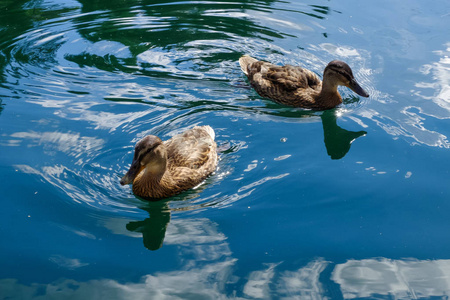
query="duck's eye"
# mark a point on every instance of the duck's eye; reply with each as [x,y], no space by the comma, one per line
[144,152]
[344,74]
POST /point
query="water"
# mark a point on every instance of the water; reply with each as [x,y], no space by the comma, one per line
[346,203]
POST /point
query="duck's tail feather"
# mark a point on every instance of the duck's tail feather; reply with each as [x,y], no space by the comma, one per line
[210,131]
[245,61]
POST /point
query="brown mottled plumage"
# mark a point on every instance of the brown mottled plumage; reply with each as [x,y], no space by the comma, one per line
[299,87]
[162,169]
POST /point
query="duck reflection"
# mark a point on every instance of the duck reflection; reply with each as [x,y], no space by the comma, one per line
[337,140]
[154,228]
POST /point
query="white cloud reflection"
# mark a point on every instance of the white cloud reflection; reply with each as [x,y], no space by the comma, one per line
[399,279]
[411,120]
[68,263]
[57,175]
[207,271]
[405,115]
[257,285]
[367,278]
[440,72]
[71,143]
[303,283]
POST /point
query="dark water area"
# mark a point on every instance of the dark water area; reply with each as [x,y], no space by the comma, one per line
[346,203]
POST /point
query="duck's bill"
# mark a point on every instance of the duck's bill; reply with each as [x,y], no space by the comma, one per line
[126,180]
[354,86]
[131,174]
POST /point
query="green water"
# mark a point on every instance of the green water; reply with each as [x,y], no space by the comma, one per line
[348,203]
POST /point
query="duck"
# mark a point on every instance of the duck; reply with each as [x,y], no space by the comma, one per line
[161,169]
[299,87]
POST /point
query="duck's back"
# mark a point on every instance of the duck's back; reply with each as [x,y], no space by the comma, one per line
[290,85]
[192,151]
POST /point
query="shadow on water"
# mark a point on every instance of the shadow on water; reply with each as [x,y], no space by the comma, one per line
[337,140]
[22,17]
[145,25]
[154,228]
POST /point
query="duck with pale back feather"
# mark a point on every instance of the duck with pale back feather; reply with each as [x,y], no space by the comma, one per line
[161,169]
[300,87]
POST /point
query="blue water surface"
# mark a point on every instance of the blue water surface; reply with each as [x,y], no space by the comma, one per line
[347,203]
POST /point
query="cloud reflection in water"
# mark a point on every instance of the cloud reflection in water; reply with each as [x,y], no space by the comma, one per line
[366,279]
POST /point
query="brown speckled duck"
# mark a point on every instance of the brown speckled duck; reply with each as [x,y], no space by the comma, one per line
[299,87]
[162,169]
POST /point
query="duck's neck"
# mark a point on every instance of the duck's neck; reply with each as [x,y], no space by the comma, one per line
[329,96]
[150,183]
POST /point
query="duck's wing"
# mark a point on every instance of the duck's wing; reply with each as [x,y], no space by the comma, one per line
[291,77]
[192,149]
[264,75]
[288,85]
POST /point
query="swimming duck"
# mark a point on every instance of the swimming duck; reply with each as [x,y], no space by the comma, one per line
[162,169]
[299,87]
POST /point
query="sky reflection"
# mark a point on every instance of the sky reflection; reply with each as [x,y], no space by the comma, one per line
[400,279]
[363,279]
[440,87]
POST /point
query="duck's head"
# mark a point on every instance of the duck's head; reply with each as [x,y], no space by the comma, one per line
[339,73]
[149,153]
